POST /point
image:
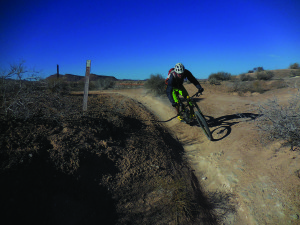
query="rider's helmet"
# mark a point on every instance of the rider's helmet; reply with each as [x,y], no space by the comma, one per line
[179,68]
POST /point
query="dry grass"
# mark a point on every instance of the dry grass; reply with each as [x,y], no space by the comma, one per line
[242,87]
[177,197]
[156,84]
[281,121]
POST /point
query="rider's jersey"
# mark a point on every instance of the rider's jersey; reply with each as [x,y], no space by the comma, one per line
[177,82]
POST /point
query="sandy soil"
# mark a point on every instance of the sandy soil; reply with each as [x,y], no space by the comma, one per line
[259,177]
[124,161]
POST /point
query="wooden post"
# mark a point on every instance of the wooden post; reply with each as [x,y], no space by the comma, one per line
[86,84]
[57,69]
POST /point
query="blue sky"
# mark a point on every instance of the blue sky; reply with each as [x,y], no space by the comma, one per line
[131,39]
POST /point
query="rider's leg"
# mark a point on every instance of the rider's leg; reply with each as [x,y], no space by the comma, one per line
[175,93]
[185,94]
[191,106]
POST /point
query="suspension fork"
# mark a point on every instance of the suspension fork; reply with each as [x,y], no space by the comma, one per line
[190,104]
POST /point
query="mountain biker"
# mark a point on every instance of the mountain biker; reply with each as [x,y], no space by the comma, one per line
[175,85]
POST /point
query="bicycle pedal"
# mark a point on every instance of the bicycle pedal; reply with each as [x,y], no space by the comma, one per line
[180,118]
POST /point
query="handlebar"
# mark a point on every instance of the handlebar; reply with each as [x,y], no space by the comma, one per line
[197,94]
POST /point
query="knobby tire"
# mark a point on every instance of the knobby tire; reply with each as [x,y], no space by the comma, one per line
[203,124]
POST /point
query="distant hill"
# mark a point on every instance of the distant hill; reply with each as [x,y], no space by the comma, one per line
[75,78]
[279,73]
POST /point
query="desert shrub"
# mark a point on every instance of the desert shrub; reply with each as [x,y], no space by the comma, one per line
[237,86]
[224,204]
[276,84]
[8,88]
[264,75]
[241,87]
[258,69]
[175,194]
[233,86]
[294,66]
[156,84]
[102,84]
[250,71]
[60,85]
[214,81]
[281,122]
[246,77]
[258,86]
[16,92]
[247,86]
[18,99]
[31,102]
[220,76]
[295,72]
[77,85]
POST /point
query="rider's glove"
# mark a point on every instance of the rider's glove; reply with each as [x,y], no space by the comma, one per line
[200,90]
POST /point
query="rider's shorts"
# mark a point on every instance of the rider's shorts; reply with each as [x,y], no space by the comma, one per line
[179,91]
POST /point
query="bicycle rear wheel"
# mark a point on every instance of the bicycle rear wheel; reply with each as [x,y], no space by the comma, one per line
[203,124]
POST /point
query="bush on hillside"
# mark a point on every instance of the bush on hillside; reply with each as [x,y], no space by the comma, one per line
[281,122]
[156,84]
[32,101]
[277,84]
[246,77]
[103,84]
[264,75]
[61,85]
[214,81]
[294,66]
[79,85]
[250,86]
[18,94]
[295,72]
[220,76]
[258,86]
[258,69]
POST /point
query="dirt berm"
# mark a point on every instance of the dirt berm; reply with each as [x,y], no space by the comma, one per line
[116,164]
[239,167]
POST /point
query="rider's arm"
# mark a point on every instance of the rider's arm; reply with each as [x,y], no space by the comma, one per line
[170,89]
[192,79]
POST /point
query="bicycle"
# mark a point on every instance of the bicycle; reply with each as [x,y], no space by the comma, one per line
[189,115]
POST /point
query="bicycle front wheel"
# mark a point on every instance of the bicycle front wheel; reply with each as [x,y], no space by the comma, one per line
[203,124]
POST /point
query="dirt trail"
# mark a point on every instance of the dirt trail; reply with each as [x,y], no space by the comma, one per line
[260,179]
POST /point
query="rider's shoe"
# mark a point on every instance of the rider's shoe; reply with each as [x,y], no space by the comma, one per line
[180,119]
